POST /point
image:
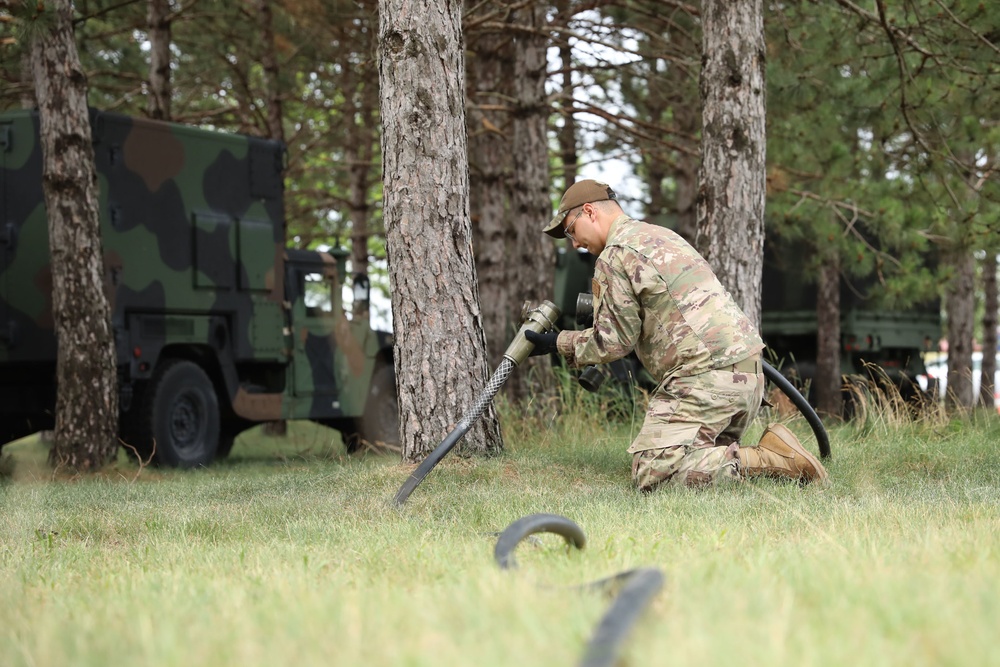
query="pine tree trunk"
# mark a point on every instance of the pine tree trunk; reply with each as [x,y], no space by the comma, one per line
[269,63]
[360,155]
[567,133]
[960,309]
[87,398]
[732,178]
[827,379]
[440,348]
[987,386]
[27,89]
[533,255]
[158,30]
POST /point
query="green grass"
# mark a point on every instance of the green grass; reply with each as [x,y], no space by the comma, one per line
[290,553]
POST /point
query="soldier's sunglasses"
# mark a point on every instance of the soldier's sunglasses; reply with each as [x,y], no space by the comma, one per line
[570,225]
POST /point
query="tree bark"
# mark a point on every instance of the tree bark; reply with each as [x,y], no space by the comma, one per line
[87,396]
[731,194]
[490,71]
[269,63]
[440,348]
[827,380]
[27,90]
[532,262]
[359,154]
[567,133]
[158,28]
[987,386]
[960,311]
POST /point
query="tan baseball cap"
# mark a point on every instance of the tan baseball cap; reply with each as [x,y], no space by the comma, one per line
[578,194]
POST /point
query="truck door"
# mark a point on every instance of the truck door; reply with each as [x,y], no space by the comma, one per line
[313,315]
[333,357]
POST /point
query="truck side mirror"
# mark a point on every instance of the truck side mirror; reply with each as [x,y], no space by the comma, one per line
[362,288]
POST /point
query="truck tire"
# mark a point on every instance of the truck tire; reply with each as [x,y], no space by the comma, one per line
[378,428]
[180,414]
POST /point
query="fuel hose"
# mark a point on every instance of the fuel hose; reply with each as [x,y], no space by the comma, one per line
[635,588]
[786,387]
[493,386]
[538,318]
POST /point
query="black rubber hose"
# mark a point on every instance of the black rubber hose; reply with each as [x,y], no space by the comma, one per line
[500,376]
[637,587]
[640,587]
[772,374]
[512,535]
[432,459]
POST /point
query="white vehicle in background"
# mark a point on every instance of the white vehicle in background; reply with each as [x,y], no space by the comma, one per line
[937,371]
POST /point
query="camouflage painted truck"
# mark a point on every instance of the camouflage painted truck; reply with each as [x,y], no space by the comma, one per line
[218,326]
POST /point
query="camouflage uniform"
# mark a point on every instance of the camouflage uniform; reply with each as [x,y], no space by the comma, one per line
[653,293]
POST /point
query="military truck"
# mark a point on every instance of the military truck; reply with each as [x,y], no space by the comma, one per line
[217,325]
[889,343]
[877,343]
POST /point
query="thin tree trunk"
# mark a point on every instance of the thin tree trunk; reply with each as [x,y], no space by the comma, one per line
[158,29]
[359,156]
[685,174]
[533,254]
[987,386]
[87,397]
[732,179]
[827,380]
[27,89]
[269,63]
[440,348]
[275,123]
[567,133]
[960,310]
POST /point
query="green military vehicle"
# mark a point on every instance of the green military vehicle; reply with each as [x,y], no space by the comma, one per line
[218,326]
[877,343]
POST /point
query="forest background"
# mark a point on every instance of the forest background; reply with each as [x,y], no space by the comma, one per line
[882,136]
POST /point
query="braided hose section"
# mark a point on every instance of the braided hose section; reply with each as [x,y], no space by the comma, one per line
[635,587]
[500,376]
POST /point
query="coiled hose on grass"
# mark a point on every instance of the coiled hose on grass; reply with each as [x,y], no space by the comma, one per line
[635,587]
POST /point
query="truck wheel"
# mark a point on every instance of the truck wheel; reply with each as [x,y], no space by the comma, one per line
[181,416]
[378,428]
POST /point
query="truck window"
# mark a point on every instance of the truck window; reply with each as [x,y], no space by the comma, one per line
[318,294]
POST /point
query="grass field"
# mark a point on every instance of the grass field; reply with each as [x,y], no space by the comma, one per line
[289,553]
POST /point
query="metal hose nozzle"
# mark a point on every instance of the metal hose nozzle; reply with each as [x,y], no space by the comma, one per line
[540,318]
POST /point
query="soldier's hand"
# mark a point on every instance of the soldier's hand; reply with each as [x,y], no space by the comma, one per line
[545,343]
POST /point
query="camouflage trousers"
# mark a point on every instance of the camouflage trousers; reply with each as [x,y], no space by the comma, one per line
[693,426]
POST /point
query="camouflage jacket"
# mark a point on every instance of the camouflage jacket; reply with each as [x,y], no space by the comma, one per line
[653,293]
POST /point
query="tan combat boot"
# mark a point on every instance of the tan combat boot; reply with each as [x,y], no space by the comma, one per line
[779,454]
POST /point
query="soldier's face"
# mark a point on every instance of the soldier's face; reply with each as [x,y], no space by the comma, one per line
[582,231]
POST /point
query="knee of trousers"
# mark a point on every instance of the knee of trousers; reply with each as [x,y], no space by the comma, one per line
[684,466]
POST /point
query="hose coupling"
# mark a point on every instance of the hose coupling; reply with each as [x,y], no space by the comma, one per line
[539,318]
